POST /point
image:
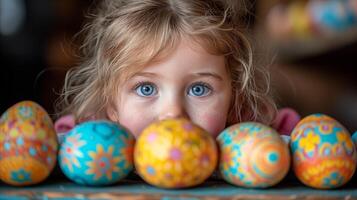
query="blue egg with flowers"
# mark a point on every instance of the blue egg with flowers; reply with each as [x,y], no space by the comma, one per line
[97,153]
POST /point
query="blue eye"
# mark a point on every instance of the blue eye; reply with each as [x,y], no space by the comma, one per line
[146,89]
[199,90]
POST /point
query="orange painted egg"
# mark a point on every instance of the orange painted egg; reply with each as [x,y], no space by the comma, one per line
[175,153]
[28,144]
[253,155]
[324,155]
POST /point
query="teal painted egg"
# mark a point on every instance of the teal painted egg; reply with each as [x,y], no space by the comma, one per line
[253,155]
[354,139]
[333,16]
[97,153]
[324,155]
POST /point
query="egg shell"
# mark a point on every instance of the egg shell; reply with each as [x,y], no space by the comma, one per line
[97,153]
[175,153]
[28,144]
[324,155]
[330,17]
[354,139]
[253,155]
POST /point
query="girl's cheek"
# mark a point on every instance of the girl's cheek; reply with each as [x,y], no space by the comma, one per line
[135,126]
[214,124]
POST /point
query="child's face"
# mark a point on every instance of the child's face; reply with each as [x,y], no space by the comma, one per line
[188,83]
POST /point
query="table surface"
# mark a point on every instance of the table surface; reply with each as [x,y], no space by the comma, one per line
[59,188]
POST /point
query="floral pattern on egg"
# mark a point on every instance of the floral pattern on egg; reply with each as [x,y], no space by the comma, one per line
[324,155]
[97,153]
[28,144]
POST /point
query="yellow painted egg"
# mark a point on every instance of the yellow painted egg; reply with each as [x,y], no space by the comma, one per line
[324,155]
[28,144]
[253,155]
[175,153]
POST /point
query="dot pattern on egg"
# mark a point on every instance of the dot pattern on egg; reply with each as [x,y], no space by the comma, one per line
[36,149]
[175,153]
[252,155]
[324,155]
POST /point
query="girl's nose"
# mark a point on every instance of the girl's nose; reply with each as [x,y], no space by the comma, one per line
[175,109]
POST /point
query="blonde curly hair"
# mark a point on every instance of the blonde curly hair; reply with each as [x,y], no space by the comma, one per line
[125,35]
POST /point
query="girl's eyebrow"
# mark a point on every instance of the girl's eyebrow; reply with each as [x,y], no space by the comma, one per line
[146,74]
[209,74]
[198,74]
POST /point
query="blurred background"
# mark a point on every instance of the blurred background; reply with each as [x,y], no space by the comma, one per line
[37,48]
[310,47]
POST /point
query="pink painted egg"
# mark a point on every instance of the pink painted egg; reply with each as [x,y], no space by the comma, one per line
[324,155]
[175,153]
[28,144]
[253,155]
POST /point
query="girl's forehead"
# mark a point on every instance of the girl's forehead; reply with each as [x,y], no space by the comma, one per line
[184,63]
[185,45]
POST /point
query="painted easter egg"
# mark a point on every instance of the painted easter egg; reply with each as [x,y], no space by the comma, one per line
[28,144]
[97,153]
[324,155]
[333,16]
[253,155]
[354,138]
[175,153]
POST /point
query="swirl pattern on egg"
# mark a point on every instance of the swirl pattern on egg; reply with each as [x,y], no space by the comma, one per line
[252,155]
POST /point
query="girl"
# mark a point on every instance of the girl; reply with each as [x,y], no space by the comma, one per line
[155,59]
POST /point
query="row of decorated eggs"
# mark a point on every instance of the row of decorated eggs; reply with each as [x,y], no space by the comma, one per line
[173,153]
